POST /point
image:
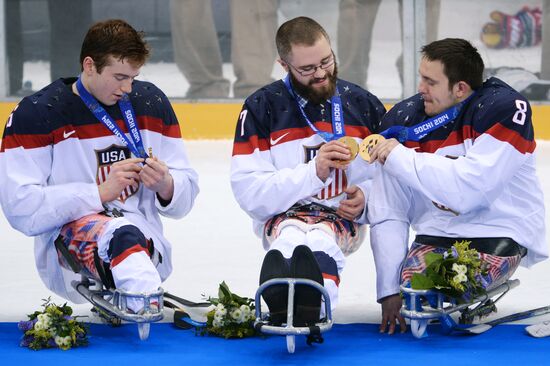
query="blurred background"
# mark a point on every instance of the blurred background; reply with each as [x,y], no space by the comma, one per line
[223,49]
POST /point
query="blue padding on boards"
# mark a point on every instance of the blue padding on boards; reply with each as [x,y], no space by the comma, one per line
[355,344]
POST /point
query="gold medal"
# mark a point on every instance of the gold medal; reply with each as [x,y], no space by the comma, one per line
[368,144]
[352,145]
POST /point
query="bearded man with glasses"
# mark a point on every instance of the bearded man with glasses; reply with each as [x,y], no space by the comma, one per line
[294,173]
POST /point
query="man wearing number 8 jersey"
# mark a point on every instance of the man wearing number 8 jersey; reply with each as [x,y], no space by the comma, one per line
[292,170]
[471,177]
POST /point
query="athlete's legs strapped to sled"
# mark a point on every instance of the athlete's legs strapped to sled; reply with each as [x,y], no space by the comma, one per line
[310,243]
[329,237]
[330,258]
[113,252]
[293,293]
[499,256]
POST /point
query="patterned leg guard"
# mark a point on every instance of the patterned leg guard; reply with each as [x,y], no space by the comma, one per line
[499,268]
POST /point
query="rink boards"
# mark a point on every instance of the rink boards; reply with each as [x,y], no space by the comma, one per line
[217,120]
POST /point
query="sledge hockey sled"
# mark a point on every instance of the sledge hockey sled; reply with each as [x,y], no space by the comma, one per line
[287,329]
[422,307]
[109,303]
[112,304]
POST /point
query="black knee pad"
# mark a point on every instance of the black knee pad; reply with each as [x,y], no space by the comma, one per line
[124,238]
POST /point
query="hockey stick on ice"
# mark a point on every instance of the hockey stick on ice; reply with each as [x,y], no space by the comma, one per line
[182,308]
[482,328]
[187,303]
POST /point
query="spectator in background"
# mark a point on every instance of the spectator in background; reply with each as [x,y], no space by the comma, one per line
[197,52]
[545,66]
[69,21]
[14,46]
[355,27]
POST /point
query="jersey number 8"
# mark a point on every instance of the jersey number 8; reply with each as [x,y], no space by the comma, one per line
[519,116]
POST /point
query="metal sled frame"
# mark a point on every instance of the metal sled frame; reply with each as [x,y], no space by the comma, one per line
[421,306]
[289,330]
[113,302]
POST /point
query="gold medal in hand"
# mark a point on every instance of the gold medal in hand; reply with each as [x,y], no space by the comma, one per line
[368,144]
[352,145]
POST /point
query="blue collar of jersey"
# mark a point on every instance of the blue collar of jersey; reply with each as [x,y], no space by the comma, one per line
[421,130]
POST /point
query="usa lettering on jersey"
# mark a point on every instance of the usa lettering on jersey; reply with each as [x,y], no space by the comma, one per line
[339,181]
[106,158]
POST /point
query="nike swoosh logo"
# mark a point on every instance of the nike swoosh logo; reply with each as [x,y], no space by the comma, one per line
[274,142]
[67,134]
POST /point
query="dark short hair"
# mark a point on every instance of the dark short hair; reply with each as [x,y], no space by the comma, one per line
[300,30]
[461,61]
[115,38]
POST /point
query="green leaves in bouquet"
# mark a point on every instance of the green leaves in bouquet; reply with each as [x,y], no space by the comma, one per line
[233,316]
[53,327]
[454,273]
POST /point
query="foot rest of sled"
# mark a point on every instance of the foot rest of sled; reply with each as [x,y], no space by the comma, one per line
[288,329]
[115,302]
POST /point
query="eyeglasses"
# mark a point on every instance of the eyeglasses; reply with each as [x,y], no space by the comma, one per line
[310,70]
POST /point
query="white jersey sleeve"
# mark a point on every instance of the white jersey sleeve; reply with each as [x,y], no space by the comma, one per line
[463,183]
[32,203]
[389,207]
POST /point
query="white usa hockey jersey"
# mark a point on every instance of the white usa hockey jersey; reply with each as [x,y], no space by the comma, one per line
[273,164]
[55,153]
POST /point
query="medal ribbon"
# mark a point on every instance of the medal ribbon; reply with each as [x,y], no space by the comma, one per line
[135,142]
[417,132]
[337,114]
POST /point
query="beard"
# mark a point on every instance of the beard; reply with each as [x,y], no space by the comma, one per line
[316,95]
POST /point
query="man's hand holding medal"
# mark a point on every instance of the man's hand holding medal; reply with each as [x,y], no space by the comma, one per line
[340,153]
[154,175]
[376,148]
[335,154]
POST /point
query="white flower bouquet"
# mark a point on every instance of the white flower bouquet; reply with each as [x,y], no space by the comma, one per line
[54,327]
[233,316]
[457,273]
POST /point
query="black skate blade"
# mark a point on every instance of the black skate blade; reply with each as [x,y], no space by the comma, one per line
[307,299]
[276,296]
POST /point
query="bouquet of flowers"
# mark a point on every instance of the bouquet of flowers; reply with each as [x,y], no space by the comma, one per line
[233,316]
[457,273]
[53,327]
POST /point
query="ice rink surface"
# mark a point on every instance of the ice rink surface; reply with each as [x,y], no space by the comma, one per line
[215,243]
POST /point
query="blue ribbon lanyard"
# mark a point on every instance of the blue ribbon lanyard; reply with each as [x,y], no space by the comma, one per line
[419,131]
[135,143]
[337,114]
